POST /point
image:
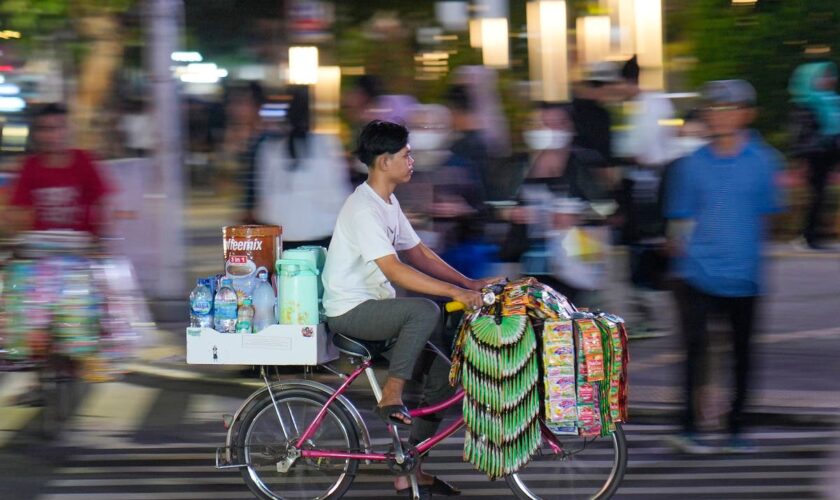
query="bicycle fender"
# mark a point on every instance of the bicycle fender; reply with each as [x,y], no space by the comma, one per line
[301,384]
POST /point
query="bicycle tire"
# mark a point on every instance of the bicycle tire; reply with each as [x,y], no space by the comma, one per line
[575,487]
[261,420]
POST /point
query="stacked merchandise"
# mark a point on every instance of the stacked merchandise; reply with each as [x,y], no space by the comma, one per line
[55,304]
[496,358]
[501,375]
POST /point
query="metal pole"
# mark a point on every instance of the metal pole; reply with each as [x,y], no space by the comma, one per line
[163,19]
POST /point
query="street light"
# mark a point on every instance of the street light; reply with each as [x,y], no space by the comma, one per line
[593,38]
[303,65]
[547,50]
[494,42]
[327,95]
[649,43]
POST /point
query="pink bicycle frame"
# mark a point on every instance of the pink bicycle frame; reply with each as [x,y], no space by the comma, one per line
[418,412]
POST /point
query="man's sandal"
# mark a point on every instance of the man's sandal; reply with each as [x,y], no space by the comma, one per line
[394,414]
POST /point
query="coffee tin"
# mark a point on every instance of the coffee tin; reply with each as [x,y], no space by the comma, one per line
[250,249]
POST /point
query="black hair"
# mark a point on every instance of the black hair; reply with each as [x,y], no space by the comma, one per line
[380,137]
[458,98]
[299,126]
[630,71]
[50,109]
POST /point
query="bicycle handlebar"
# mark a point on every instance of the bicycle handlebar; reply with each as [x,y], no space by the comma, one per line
[488,298]
[453,306]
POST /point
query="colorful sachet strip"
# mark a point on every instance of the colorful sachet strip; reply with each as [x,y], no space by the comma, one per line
[502,352]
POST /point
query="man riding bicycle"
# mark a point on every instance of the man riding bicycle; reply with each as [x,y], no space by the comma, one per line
[58,187]
[362,263]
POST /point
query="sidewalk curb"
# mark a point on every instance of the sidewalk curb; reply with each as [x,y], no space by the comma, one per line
[644,413]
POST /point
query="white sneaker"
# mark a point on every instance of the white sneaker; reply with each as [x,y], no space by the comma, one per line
[688,443]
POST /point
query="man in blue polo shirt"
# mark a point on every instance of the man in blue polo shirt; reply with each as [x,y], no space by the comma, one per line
[717,204]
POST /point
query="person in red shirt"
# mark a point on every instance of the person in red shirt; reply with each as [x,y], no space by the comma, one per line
[58,187]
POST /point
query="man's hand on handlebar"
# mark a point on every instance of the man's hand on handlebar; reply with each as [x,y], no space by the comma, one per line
[471,299]
[477,285]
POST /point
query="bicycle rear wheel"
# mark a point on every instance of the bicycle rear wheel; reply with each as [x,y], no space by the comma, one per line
[586,468]
[266,435]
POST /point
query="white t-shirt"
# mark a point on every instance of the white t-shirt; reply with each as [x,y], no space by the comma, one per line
[649,140]
[367,229]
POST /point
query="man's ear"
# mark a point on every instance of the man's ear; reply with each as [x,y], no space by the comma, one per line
[381,162]
[752,113]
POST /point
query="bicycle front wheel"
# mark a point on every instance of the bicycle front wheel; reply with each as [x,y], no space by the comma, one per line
[269,431]
[585,468]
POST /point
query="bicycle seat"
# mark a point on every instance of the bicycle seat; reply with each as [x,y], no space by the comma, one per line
[358,347]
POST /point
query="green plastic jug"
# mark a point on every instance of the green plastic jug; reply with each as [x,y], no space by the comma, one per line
[297,292]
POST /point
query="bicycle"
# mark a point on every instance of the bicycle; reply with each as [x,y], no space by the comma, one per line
[309,438]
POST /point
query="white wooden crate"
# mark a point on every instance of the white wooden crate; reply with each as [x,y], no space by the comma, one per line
[274,345]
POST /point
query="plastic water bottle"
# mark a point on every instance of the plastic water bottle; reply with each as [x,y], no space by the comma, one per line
[224,308]
[201,305]
[245,318]
[264,301]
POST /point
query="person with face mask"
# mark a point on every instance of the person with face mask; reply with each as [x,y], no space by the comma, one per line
[557,171]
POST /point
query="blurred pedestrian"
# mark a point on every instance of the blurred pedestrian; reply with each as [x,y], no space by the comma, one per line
[460,191]
[243,132]
[556,176]
[482,88]
[815,136]
[58,187]
[648,147]
[137,129]
[718,201]
[300,180]
[592,118]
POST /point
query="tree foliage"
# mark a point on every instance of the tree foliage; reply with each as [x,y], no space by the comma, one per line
[762,43]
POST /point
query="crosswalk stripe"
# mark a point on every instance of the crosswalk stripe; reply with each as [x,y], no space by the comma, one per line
[115,405]
[210,408]
[791,463]
[170,495]
[137,457]
[145,469]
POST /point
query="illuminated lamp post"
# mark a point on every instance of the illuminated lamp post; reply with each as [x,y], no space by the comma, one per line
[547,50]
[593,39]
[649,43]
[303,65]
[327,93]
[494,42]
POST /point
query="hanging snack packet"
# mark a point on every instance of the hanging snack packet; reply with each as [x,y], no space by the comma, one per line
[559,376]
[590,340]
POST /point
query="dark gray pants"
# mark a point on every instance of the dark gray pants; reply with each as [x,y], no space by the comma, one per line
[413,321]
